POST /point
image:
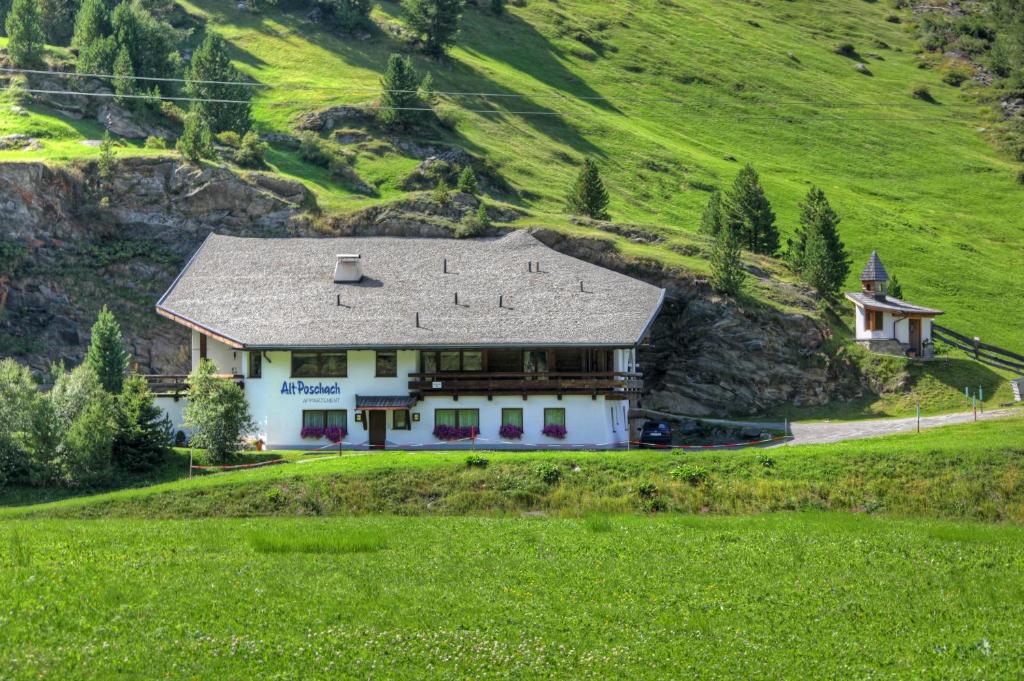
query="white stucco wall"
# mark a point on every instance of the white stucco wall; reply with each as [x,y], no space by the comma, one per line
[278,414]
[887,327]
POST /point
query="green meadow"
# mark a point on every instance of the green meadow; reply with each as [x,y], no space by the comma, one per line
[790,596]
[895,557]
[671,97]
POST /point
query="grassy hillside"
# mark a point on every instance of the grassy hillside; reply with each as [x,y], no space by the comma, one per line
[671,97]
[970,472]
[790,596]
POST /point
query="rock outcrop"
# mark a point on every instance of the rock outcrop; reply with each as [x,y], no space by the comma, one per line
[68,246]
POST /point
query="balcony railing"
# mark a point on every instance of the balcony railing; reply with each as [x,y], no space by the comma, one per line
[611,384]
[176,385]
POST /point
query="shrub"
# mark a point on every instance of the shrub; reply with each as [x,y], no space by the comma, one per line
[474,225]
[555,431]
[549,473]
[476,461]
[229,138]
[845,50]
[955,77]
[690,473]
[251,151]
[217,413]
[196,141]
[467,181]
[510,432]
[923,93]
[88,447]
[441,193]
[766,461]
[155,142]
[647,490]
[654,505]
[180,439]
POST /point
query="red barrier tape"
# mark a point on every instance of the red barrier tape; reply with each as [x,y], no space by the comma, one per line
[749,443]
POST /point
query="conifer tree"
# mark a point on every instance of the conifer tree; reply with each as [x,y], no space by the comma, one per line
[436,22]
[426,89]
[217,413]
[150,42]
[467,181]
[749,214]
[211,62]
[106,355]
[196,141]
[818,269]
[498,7]
[91,23]
[588,196]
[895,288]
[727,273]
[143,430]
[712,219]
[817,215]
[25,33]
[124,77]
[399,97]
[97,56]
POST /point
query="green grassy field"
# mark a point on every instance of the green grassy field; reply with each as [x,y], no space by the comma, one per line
[790,596]
[424,568]
[969,472]
[665,95]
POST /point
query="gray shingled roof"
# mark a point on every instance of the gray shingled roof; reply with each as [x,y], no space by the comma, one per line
[874,270]
[890,304]
[280,293]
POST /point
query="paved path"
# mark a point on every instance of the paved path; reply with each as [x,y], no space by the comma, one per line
[837,431]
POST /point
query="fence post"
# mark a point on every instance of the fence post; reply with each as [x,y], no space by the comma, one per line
[190,462]
[981,398]
[919,417]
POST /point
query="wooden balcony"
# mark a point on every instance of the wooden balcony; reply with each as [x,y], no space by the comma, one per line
[176,385]
[611,385]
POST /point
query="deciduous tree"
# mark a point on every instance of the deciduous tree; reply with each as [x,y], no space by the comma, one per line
[217,413]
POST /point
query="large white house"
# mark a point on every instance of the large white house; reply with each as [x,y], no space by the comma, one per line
[886,324]
[406,342]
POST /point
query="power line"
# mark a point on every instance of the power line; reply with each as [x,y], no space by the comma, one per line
[568,97]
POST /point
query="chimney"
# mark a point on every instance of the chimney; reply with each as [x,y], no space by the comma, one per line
[349,268]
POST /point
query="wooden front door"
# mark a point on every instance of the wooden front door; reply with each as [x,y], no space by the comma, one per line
[915,335]
[378,428]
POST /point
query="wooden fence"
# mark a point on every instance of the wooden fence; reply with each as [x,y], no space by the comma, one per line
[985,353]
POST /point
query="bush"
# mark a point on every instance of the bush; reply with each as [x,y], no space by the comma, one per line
[318,151]
[155,142]
[229,138]
[180,439]
[845,50]
[442,195]
[955,77]
[475,225]
[217,413]
[251,151]
[647,490]
[690,473]
[923,93]
[549,473]
[475,461]
[766,461]
[87,451]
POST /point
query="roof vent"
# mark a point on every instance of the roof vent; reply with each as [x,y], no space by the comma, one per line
[349,268]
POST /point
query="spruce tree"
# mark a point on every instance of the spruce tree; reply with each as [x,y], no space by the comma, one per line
[895,288]
[442,195]
[435,21]
[817,215]
[712,219]
[399,97]
[211,62]
[25,34]
[106,355]
[727,273]
[143,430]
[91,23]
[124,77]
[467,181]
[150,42]
[588,196]
[97,56]
[196,141]
[749,214]
[818,268]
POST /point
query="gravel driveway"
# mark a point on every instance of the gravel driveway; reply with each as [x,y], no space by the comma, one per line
[814,433]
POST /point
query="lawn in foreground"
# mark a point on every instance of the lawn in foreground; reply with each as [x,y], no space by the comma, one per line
[777,596]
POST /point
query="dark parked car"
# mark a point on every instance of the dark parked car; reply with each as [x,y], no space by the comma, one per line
[656,434]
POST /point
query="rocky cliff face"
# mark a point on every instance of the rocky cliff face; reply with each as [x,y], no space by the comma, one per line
[68,245]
